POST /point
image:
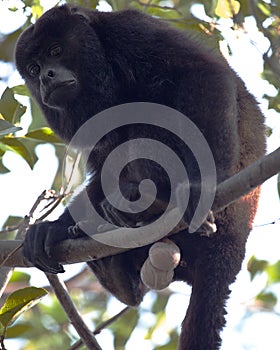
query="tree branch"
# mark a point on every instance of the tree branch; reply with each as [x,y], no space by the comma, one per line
[80,250]
[87,337]
[102,326]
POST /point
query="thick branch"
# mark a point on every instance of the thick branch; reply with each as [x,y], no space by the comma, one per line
[246,180]
[73,251]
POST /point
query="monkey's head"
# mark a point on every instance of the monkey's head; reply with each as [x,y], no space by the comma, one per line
[62,62]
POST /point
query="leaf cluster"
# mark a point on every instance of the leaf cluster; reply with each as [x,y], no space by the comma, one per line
[48,319]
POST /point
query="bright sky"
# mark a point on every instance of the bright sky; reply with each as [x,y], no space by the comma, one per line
[21,187]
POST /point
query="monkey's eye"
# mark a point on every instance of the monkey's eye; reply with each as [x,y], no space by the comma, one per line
[33,69]
[55,51]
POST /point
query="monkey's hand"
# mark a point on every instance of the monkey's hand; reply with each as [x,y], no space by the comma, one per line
[208,227]
[133,215]
[39,242]
[117,217]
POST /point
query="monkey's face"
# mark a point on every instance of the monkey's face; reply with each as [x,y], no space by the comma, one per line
[56,83]
[57,57]
[50,69]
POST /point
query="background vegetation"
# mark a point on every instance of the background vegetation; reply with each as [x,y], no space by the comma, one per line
[222,24]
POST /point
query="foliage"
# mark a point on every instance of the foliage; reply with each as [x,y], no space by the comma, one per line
[265,298]
[48,319]
[17,303]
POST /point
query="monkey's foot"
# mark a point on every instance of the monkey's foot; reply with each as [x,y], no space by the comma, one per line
[208,228]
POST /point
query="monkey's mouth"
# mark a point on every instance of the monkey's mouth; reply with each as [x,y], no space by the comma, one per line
[57,94]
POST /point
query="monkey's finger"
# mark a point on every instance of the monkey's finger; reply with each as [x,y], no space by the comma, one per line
[33,248]
[55,234]
[49,267]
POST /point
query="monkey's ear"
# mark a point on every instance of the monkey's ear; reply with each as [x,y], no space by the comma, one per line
[76,10]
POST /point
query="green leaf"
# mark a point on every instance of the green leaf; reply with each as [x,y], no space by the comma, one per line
[19,112]
[37,10]
[44,134]
[7,46]
[12,221]
[13,9]
[17,146]
[227,8]
[10,108]
[123,328]
[18,330]
[160,303]
[210,7]
[172,343]
[18,302]
[273,272]
[265,8]
[160,320]
[21,90]
[54,311]
[7,128]
[163,13]
[38,120]
[273,101]
[256,266]
[268,131]
[245,8]
[3,169]
[19,276]
[268,299]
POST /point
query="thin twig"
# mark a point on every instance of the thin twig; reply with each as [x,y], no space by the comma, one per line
[73,314]
[103,325]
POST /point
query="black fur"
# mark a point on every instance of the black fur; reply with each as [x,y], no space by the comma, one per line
[114,58]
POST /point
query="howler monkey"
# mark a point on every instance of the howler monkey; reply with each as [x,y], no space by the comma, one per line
[77,63]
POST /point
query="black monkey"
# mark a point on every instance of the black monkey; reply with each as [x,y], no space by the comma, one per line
[76,63]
